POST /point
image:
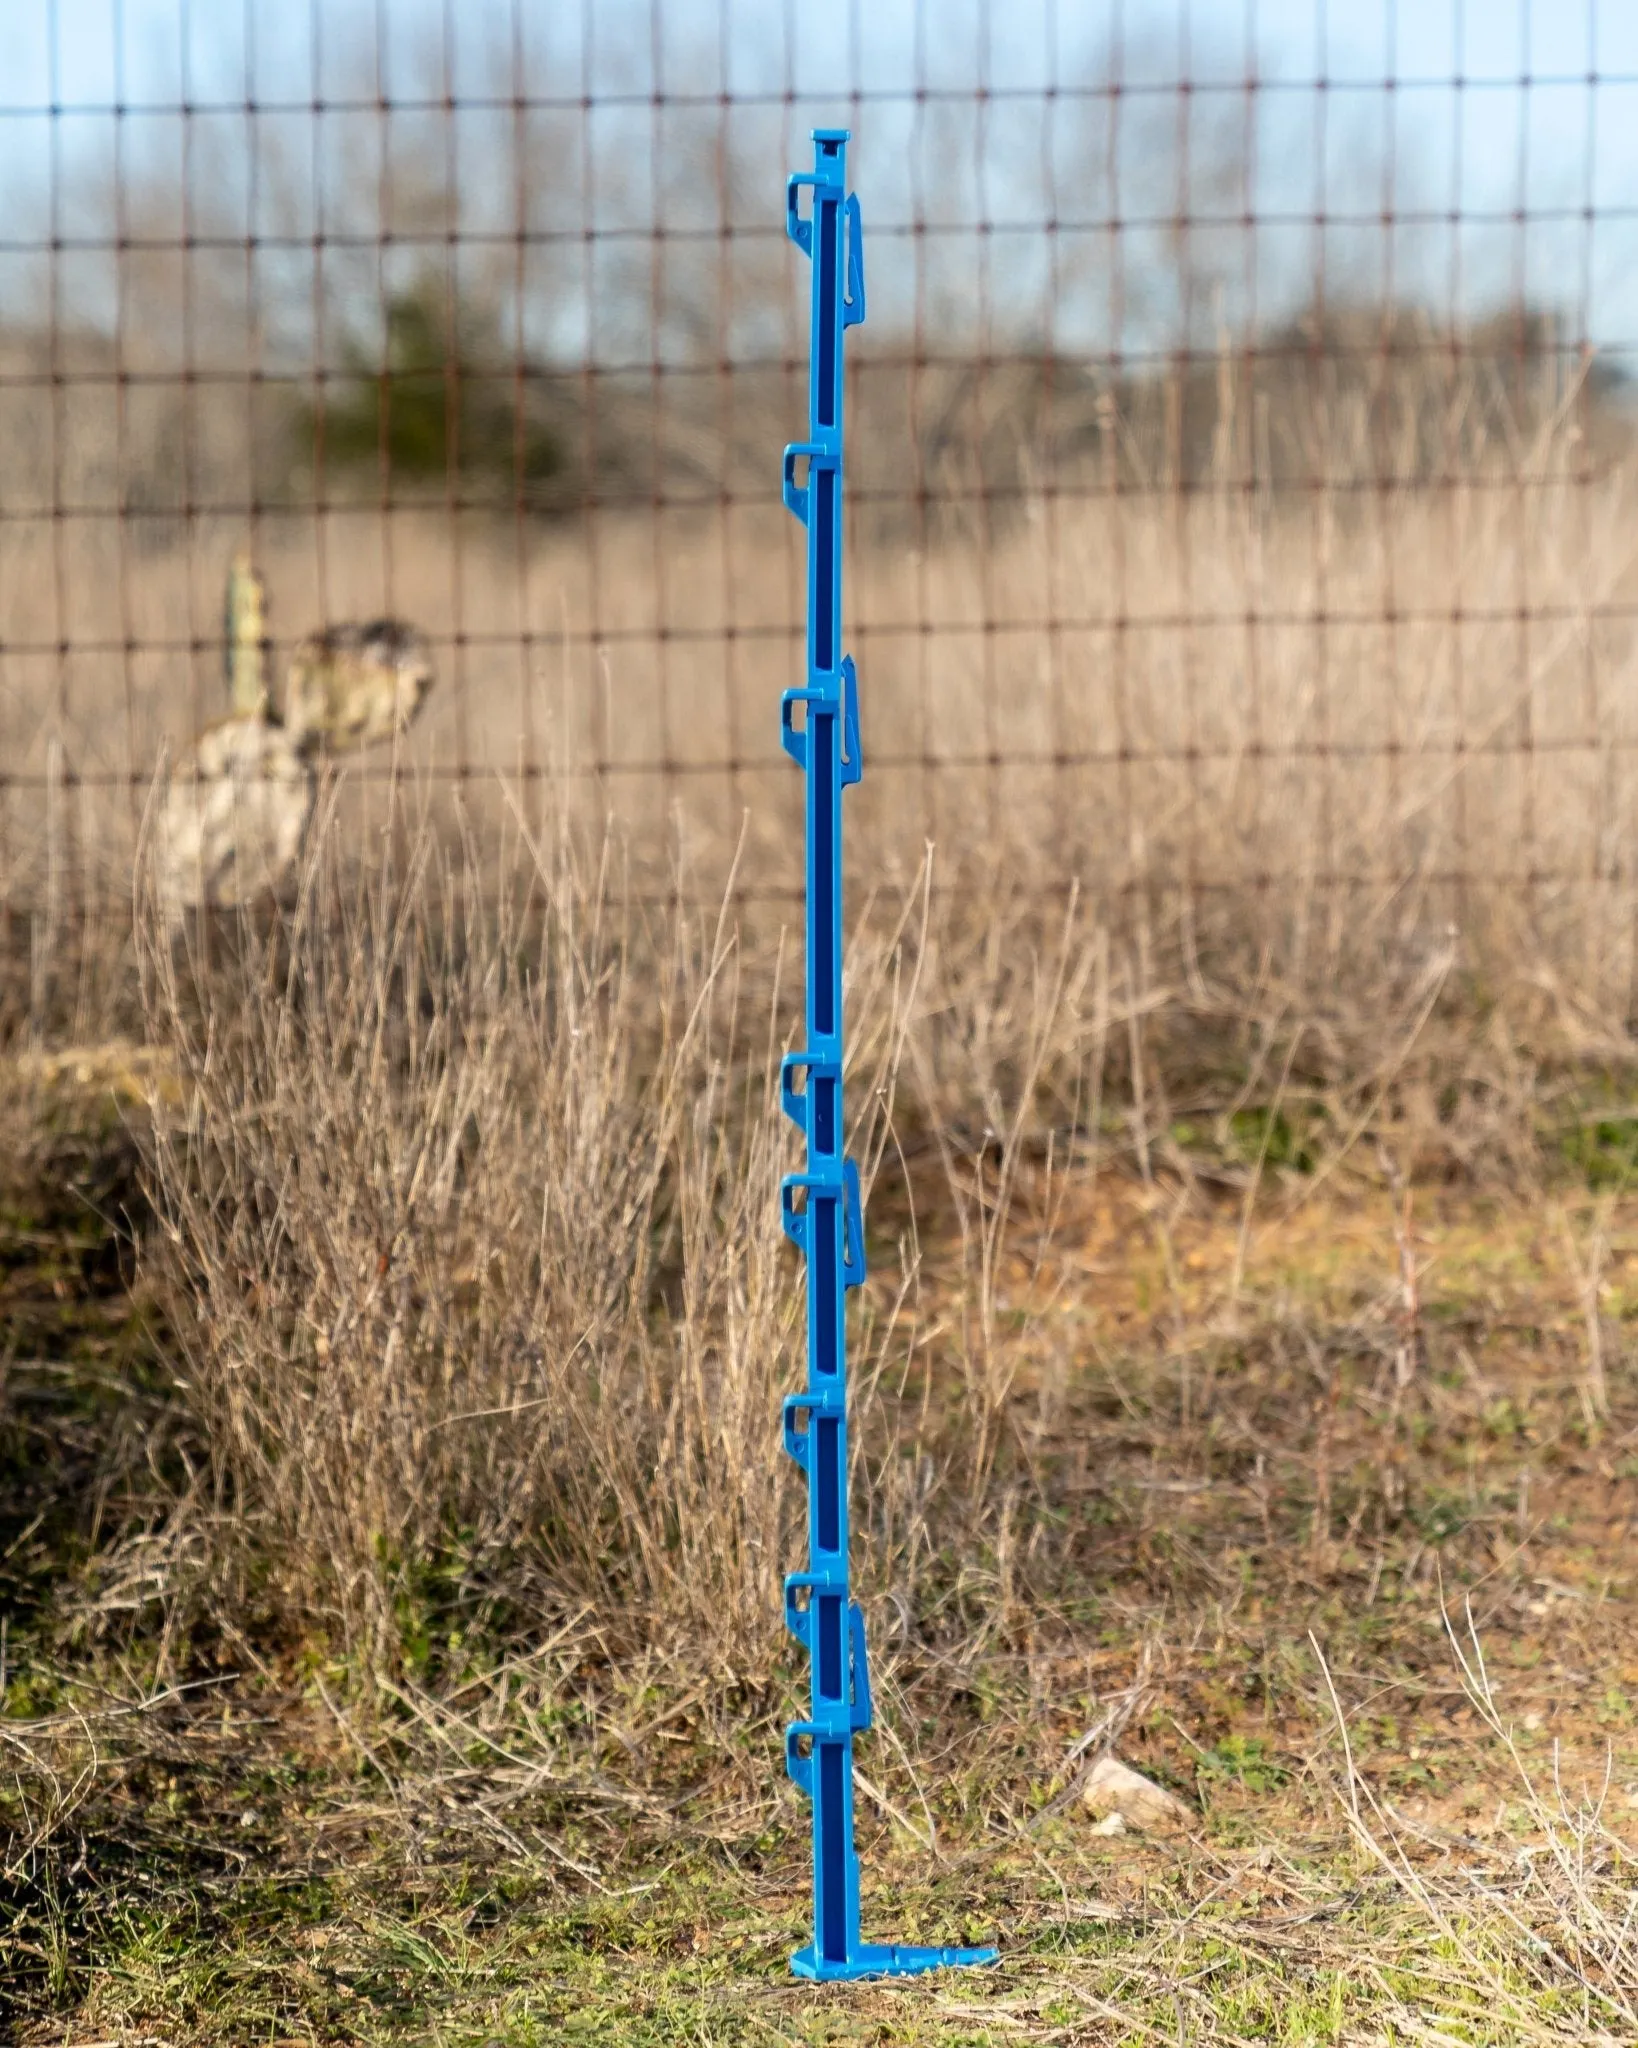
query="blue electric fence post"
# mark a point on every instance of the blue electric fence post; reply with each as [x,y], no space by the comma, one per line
[820,1207]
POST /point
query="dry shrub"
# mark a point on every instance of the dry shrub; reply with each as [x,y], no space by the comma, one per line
[471,1236]
[469,1228]
[470,1231]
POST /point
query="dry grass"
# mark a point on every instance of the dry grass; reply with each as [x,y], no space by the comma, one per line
[464,1225]
[560,1819]
[446,1166]
[1325,727]
[463,1222]
[393,1482]
[1302,840]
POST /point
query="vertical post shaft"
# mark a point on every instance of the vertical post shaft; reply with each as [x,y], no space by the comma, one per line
[820,1206]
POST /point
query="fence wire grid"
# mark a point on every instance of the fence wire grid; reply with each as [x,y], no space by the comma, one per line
[1241,488]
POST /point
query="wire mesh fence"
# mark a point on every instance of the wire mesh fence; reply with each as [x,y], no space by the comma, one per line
[1243,441]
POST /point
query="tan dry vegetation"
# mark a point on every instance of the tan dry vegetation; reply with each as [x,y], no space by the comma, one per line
[416,1502]
[1331,729]
[395,1313]
[443,1397]
[441,1168]
[414,1629]
[465,1223]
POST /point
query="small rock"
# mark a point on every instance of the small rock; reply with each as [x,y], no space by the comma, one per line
[1111,1824]
[1115,1790]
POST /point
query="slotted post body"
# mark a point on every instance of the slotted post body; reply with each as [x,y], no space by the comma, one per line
[820,1206]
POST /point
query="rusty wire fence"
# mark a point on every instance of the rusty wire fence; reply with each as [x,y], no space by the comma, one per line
[1242,493]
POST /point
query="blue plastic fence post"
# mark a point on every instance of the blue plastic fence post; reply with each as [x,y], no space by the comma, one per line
[820,1207]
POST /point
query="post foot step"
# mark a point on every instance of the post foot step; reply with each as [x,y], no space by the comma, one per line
[886,1959]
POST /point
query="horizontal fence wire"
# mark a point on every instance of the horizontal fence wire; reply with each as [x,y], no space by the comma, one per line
[1241,501]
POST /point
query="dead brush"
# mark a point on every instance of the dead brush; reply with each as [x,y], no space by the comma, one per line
[448,1151]
[468,1227]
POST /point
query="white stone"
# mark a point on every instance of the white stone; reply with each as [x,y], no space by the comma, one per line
[1115,1789]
